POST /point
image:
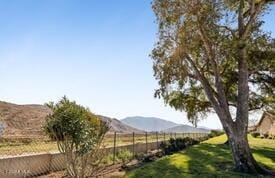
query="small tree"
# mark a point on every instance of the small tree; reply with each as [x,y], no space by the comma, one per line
[79,135]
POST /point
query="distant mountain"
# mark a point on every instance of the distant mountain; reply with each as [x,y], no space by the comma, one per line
[206,128]
[186,129]
[118,126]
[26,121]
[148,123]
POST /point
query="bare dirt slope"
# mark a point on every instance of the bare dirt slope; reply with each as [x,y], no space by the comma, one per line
[26,121]
[22,121]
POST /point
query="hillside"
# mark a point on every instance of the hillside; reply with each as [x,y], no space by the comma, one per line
[22,120]
[148,123]
[118,126]
[26,121]
[186,129]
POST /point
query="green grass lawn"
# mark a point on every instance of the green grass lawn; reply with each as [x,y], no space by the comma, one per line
[209,159]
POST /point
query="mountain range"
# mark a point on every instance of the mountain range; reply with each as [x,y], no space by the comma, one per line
[148,123]
[153,124]
[187,129]
[26,121]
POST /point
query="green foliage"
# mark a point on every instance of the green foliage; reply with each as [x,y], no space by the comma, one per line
[108,159]
[255,134]
[70,122]
[266,135]
[215,133]
[202,37]
[78,133]
[178,144]
[124,156]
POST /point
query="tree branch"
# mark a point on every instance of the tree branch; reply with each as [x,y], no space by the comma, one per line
[228,29]
[208,45]
[254,11]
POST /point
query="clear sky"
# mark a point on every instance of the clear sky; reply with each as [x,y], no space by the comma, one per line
[94,51]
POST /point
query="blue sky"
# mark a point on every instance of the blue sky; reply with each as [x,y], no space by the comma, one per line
[95,52]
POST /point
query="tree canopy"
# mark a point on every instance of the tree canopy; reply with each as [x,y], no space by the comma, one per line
[196,59]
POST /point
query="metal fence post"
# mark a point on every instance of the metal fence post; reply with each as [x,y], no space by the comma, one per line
[146,141]
[157,140]
[164,136]
[114,149]
[133,144]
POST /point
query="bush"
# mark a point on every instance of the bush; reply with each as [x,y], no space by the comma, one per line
[255,134]
[79,135]
[178,144]
[201,139]
[215,133]
[124,156]
[164,147]
[266,135]
[108,159]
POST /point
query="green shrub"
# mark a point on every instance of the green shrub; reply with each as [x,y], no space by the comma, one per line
[164,147]
[215,133]
[108,159]
[79,135]
[124,156]
[178,144]
[255,134]
[266,135]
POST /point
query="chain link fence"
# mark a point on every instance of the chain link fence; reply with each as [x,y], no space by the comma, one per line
[26,157]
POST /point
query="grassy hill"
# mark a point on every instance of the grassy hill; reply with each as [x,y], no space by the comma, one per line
[209,159]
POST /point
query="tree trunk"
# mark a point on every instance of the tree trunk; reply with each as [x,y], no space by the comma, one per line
[242,155]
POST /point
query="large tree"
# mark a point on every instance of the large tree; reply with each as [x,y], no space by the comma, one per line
[212,55]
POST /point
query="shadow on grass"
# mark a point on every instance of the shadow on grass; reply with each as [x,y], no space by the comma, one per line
[203,160]
[265,152]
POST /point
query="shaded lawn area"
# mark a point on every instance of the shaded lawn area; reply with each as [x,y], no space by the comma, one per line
[208,159]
